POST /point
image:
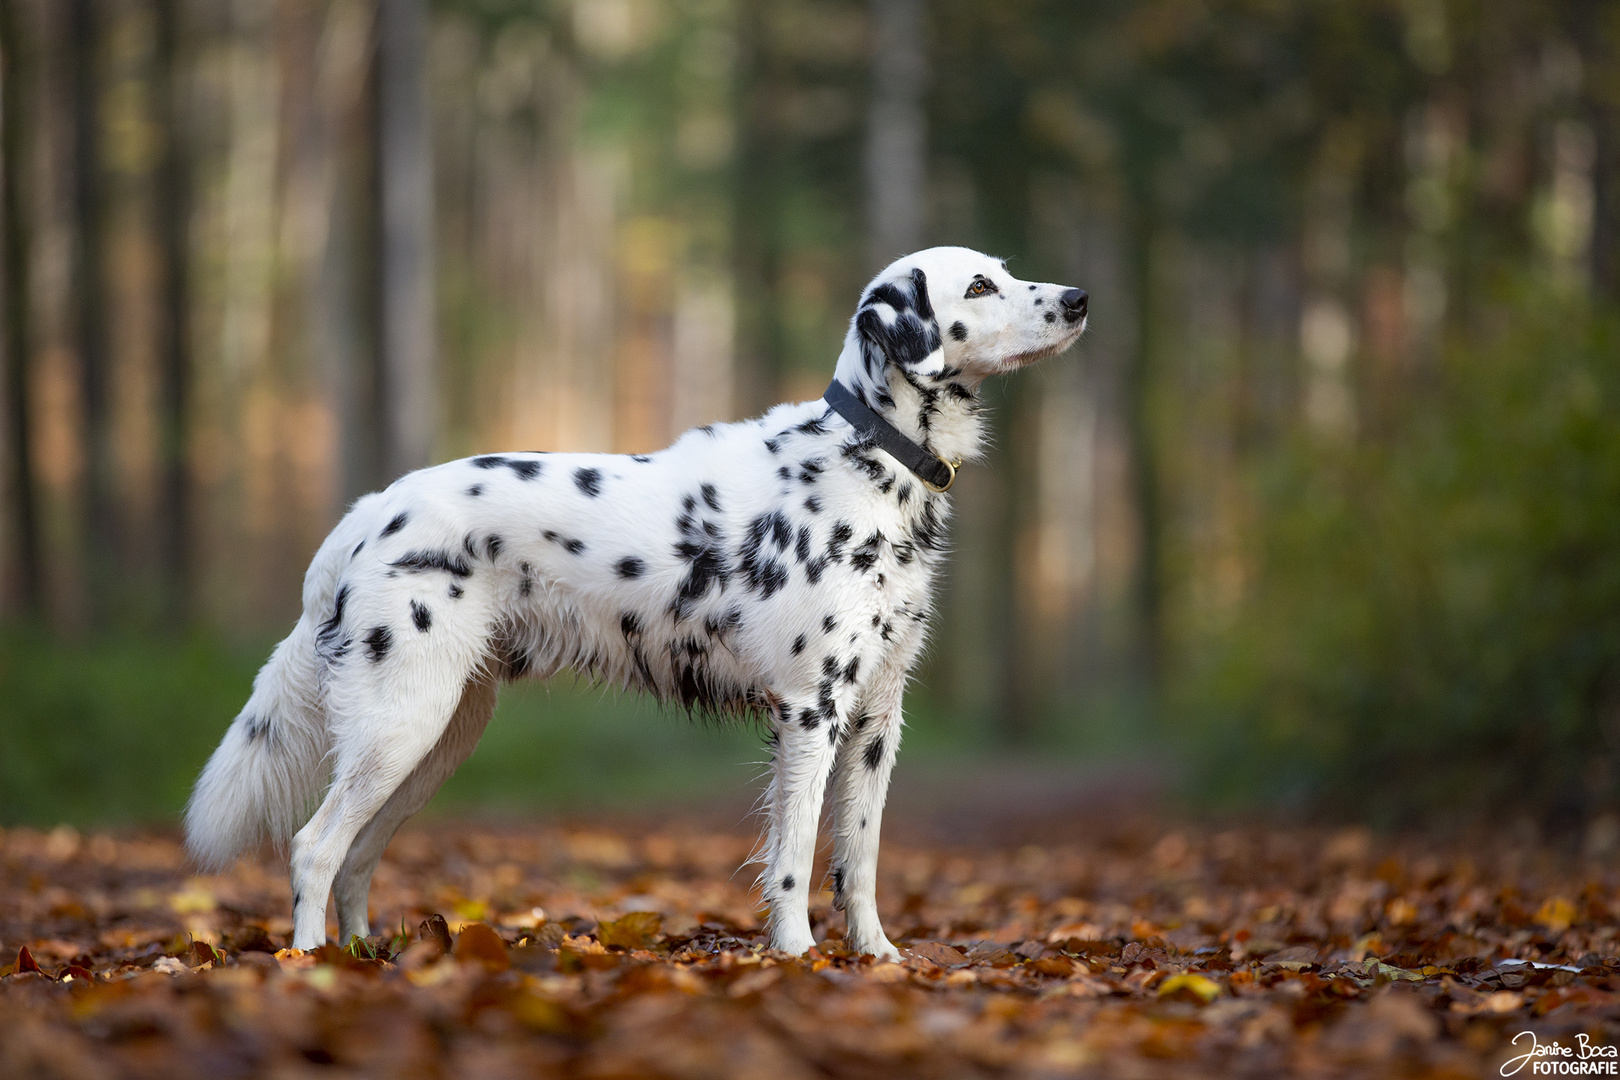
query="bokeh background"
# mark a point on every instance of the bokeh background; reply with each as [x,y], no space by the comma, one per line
[1323,514]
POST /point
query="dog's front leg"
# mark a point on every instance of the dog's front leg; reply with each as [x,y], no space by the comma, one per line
[806,741]
[860,788]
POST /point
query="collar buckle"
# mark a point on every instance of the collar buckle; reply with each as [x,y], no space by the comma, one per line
[946,486]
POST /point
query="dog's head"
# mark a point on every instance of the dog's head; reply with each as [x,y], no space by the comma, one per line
[951,312]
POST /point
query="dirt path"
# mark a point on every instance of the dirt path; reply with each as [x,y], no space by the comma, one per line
[632,949]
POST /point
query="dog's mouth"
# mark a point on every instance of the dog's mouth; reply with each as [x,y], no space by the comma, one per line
[1024,359]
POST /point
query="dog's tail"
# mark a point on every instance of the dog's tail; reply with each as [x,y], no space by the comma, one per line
[267,772]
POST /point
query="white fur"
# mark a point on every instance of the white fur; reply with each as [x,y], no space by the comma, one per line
[779,563]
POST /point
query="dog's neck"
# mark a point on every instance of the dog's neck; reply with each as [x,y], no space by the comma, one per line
[940,411]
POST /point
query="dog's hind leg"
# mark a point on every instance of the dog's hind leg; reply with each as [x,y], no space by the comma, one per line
[806,741]
[460,737]
[376,746]
[860,788]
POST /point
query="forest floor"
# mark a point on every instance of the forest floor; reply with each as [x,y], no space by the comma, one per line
[1128,947]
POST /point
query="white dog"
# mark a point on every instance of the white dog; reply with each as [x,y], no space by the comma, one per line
[783,564]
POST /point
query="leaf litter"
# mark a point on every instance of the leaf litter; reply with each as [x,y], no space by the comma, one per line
[564,950]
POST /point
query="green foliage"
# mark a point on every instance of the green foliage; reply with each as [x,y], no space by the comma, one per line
[117,730]
[110,730]
[1432,621]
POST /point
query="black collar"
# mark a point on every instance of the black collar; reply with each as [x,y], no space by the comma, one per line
[934,471]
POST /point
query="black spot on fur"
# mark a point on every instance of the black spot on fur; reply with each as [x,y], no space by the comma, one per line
[928,532]
[489,461]
[329,640]
[764,574]
[773,446]
[1051,316]
[798,645]
[829,665]
[840,536]
[640,459]
[813,504]
[524,470]
[838,881]
[589,481]
[629,623]
[570,544]
[873,757]
[852,670]
[958,331]
[706,565]
[862,557]
[787,883]
[526,586]
[418,562]
[256,727]
[630,567]
[476,490]
[711,497]
[421,616]
[456,591]
[828,624]
[493,544]
[801,549]
[378,642]
[397,524]
[904,495]
[357,548]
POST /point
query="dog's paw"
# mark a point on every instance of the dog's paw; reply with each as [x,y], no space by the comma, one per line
[796,944]
[880,947]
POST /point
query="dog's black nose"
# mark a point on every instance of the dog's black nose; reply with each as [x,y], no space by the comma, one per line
[1074,304]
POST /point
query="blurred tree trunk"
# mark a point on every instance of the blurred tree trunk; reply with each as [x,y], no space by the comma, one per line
[407,327]
[15,86]
[172,198]
[1148,588]
[1598,33]
[754,245]
[896,133]
[90,302]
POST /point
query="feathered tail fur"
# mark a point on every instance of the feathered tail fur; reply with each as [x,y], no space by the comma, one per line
[268,772]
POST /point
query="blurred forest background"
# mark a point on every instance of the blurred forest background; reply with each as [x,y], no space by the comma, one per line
[1323,512]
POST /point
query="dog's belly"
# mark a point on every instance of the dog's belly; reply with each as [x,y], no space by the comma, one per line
[700,661]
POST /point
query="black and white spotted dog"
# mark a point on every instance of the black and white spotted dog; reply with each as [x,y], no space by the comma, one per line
[783,563]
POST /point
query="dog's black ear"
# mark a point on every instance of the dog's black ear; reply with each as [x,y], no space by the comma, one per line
[896,324]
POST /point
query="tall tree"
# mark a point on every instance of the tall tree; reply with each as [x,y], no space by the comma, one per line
[173,212]
[406,316]
[90,302]
[896,132]
[15,84]
[756,190]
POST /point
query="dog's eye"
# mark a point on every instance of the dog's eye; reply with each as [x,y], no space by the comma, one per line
[982,286]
